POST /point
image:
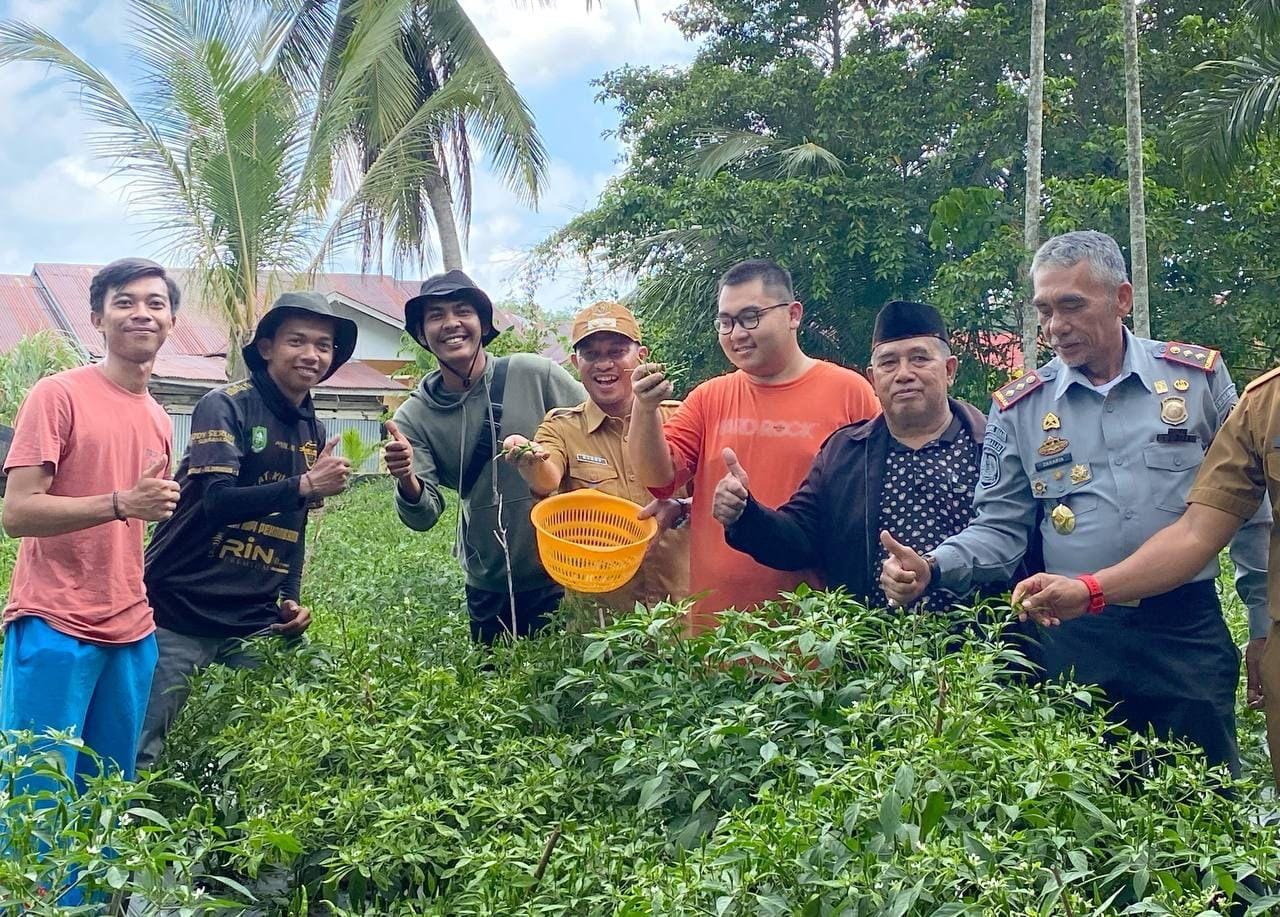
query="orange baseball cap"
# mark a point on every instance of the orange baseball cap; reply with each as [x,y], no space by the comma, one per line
[604,316]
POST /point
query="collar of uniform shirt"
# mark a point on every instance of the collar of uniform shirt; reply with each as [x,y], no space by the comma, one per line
[1137,362]
[594,416]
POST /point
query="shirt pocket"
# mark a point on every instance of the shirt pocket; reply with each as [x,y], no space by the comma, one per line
[1171,468]
[588,474]
[1080,502]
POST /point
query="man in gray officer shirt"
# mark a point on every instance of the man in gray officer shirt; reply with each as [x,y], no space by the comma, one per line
[1101,446]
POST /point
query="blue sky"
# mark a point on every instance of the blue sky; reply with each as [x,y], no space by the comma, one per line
[59,204]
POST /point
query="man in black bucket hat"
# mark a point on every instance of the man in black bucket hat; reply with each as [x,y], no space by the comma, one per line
[228,564]
[447,434]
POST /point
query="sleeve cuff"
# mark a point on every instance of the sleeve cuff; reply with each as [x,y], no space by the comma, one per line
[953,576]
[1227,502]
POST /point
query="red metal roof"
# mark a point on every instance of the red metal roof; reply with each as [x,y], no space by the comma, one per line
[22,310]
[187,368]
[201,331]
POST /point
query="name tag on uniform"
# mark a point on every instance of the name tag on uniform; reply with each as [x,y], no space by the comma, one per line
[591,459]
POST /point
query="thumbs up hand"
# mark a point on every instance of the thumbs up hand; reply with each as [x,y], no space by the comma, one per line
[328,476]
[398,455]
[905,574]
[730,499]
[154,497]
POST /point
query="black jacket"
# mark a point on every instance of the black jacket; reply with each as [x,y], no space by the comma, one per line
[832,522]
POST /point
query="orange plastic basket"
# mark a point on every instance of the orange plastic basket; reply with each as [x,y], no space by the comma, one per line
[589,541]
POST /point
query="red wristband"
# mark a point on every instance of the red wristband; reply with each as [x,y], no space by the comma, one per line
[1096,600]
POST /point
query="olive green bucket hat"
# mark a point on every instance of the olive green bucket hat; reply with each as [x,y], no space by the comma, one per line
[313,305]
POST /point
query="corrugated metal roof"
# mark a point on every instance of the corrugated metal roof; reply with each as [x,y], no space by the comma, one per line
[22,309]
[356,376]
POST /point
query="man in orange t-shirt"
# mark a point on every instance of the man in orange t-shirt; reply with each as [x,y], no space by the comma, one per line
[772,414]
[88,470]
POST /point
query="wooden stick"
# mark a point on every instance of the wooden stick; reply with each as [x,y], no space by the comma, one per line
[546,857]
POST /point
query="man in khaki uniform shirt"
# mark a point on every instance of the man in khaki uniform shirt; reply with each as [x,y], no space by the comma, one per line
[1241,468]
[586,446]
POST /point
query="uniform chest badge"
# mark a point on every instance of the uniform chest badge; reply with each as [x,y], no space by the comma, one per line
[1161,387]
[1173,411]
[1039,487]
[1080,474]
[1051,422]
[1064,521]
[1181,384]
[1052,445]
[258,439]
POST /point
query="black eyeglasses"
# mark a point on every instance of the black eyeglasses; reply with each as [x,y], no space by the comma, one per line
[749,319]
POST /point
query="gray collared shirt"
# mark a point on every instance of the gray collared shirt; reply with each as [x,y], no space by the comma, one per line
[1116,468]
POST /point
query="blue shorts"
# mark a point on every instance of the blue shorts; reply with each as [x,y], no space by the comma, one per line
[53,681]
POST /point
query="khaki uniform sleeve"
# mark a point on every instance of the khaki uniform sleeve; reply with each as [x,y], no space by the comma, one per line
[1232,477]
[553,435]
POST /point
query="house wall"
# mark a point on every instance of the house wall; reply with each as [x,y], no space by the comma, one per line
[360,413]
[378,340]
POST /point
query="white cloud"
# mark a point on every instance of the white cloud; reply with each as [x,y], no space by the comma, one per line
[542,44]
[44,14]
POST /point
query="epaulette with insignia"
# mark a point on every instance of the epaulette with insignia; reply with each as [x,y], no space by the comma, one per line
[565,412]
[1264,378]
[1009,394]
[1189,355]
[235,388]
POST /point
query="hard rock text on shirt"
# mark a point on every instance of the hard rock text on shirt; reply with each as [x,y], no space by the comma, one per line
[751,426]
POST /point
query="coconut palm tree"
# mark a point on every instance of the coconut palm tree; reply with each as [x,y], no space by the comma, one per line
[436,39]
[1035,155]
[254,163]
[1133,146]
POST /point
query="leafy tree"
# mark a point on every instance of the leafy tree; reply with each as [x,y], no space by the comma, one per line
[266,136]
[901,172]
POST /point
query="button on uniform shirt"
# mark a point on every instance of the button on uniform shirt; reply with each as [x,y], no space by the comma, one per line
[591,447]
[1116,466]
[1243,466]
[927,495]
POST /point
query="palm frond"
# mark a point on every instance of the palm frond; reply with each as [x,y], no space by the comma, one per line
[310,40]
[405,159]
[1265,14]
[1222,123]
[808,159]
[718,150]
[502,125]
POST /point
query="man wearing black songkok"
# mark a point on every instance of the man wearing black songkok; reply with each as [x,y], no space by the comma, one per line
[911,471]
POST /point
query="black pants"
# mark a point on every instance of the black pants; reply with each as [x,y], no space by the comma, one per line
[1169,665]
[490,612]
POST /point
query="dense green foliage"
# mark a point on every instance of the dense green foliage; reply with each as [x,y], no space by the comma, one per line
[896,168]
[26,363]
[386,767]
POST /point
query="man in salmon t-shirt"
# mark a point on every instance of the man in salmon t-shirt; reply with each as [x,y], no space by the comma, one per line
[87,471]
[773,414]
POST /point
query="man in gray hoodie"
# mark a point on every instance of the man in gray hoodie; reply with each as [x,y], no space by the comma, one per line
[447,435]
